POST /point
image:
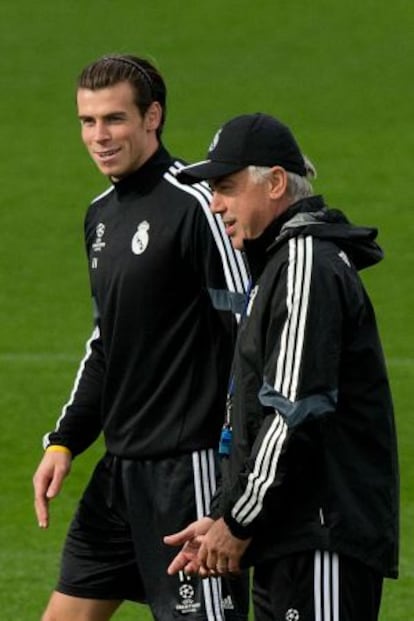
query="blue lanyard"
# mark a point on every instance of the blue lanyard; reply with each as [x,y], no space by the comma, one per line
[226,435]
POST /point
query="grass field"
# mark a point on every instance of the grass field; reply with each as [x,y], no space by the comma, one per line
[340,73]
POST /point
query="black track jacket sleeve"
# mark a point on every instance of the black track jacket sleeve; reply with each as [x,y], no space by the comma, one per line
[80,422]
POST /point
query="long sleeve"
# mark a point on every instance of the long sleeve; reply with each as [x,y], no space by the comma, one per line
[80,422]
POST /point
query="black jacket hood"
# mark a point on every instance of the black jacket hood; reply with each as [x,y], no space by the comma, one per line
[310,216]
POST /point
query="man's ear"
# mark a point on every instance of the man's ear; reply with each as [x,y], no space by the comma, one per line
[153,116]
[278,180]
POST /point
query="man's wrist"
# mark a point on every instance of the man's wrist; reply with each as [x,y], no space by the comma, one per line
[236,529]
[58,448]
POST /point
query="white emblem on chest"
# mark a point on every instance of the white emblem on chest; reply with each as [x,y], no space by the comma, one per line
[141,238]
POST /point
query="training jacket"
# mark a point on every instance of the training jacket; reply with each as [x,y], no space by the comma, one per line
[164,277]
[314,458]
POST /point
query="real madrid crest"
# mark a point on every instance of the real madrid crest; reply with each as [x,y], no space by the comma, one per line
[140,240]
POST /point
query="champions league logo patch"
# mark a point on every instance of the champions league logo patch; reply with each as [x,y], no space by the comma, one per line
[140,240]
[187,595]
[98,244]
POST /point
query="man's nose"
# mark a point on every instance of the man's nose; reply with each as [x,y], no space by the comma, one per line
[101,132]
[217,205]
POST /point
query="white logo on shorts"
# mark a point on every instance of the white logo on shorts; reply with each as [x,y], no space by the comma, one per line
[227,603]
[140,240]
[187,604]
[187,591]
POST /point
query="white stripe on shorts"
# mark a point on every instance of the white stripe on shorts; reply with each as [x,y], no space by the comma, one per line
[205,486]
[326,586]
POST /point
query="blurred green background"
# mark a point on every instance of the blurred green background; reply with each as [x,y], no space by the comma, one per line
[341,74]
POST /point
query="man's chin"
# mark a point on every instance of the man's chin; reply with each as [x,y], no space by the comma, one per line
[237,243]
[114,173]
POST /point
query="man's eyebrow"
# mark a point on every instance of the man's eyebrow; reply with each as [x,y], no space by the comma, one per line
[109,115]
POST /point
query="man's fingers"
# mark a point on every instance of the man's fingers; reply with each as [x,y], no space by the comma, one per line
[222,568]
[233,566]
[204,572]
[176,565]
[211,560]
[42,512]
[41,505]
[47,482]
[184,561]
[54,488]
[192,567]
[176,539]
[180,538]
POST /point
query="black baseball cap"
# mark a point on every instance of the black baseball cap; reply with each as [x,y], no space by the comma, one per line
[250,139]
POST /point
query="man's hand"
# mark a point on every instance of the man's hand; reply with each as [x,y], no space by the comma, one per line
[220,552]
[187,559]
[47,482]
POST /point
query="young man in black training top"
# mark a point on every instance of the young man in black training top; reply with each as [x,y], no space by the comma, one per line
[166,285]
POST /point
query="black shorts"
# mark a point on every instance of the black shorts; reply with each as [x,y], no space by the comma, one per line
[114,549]
[316,586]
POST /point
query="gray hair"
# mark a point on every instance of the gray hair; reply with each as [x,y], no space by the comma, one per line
[298,187]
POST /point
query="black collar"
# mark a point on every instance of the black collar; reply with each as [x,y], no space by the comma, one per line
[143,180]
[257,249]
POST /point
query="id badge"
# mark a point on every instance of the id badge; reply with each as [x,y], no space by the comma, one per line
[225,441]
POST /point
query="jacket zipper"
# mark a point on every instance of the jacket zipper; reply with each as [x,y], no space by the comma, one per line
[321,516]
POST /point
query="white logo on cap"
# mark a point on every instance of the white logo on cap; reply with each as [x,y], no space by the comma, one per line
[215,140]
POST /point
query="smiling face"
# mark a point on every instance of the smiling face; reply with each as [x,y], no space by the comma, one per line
[248,206]
[119,139]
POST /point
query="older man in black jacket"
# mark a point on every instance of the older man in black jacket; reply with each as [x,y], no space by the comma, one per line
[311,493]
